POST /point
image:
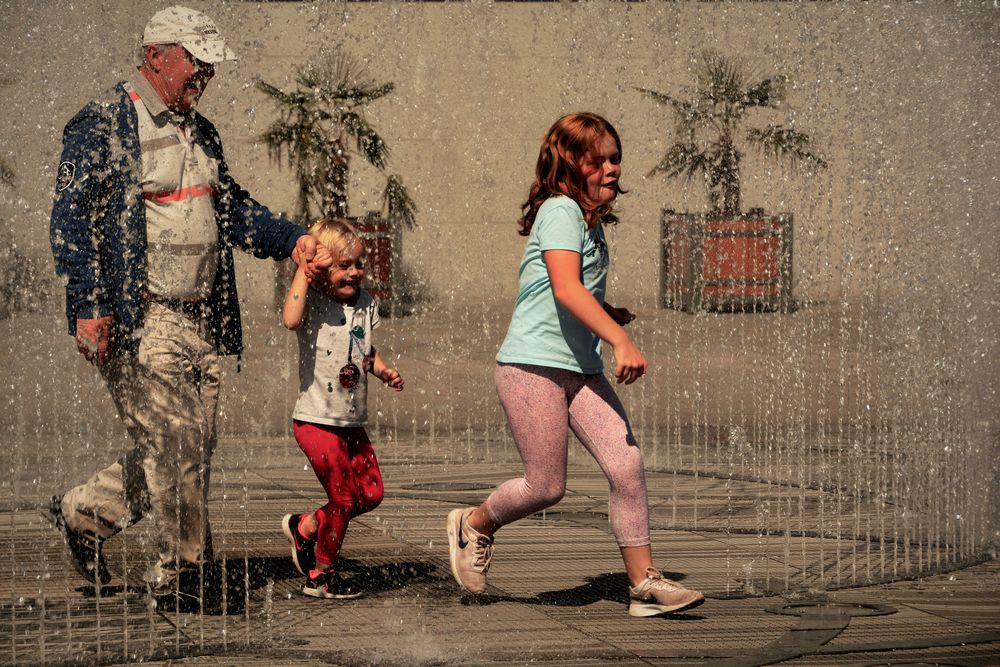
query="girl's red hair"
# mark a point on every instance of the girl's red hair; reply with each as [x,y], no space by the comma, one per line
[558,171]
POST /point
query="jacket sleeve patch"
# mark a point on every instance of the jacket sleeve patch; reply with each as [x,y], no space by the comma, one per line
[65,175]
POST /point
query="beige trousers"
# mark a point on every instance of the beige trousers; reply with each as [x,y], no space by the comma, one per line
[166,396]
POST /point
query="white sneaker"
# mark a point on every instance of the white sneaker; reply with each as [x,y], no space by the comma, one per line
[469,552]
[658,595]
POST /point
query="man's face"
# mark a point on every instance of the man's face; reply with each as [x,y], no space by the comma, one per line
[184,77]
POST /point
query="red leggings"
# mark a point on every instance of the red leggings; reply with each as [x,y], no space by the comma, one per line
[345,464]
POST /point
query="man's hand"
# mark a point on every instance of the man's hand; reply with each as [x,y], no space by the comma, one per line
[322,260]
[305,255]
[93,337]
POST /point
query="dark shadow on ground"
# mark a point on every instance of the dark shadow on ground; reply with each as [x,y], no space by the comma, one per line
[388,576]
[88,590]
[611,586]
[230,583]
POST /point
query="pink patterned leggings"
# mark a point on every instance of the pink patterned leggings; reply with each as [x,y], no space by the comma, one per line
[542,404]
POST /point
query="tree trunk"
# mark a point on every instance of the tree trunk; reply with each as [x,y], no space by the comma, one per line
[730,177]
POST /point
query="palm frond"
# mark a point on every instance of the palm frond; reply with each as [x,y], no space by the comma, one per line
[336,78]
[330,69]
[286,99]
[688,114]
[278,135]
[768,92]
[299,141]
[693,115]
[720,79]
[681,158]
[369,144]
[397,204]
[363,94]
[662,98]
[780,141]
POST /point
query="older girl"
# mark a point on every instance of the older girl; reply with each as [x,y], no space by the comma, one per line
[549,372]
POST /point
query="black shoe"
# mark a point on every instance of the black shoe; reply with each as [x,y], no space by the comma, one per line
[189,593]
[303,549]
[329,586]
[85,552]
[181,602]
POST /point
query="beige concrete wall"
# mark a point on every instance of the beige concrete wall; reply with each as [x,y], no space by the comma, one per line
[898,236]
[900,97]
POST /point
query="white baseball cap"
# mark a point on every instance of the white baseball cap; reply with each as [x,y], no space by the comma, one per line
[191,29]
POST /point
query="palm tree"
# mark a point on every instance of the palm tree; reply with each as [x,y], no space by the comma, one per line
[709,122]
[318,124]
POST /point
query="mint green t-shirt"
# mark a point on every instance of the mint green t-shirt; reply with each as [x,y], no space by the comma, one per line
[542,332]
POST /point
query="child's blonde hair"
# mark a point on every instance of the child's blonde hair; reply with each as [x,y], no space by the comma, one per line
[335,233]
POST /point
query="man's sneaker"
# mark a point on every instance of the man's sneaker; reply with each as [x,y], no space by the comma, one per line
[190,591]
[85,553]
[659,595]
[303,549]
[469,552]
[173,600]
[329,586]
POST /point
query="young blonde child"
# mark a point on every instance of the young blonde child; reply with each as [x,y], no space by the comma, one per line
[333,318]
[549,372]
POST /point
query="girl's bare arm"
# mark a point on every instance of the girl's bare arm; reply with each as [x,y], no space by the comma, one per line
[564,275]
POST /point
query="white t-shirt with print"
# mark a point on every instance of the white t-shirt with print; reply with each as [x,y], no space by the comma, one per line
[332,336]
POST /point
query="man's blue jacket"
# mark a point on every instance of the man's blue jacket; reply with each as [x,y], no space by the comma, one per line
[98,230]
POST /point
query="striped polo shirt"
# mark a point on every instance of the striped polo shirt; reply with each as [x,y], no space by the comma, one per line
[180,175]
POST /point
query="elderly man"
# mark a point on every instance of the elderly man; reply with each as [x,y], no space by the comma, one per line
[145,217]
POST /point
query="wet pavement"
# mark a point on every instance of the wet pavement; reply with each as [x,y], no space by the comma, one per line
[557,593]
[796,571]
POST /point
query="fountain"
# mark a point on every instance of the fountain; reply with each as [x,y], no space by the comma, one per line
[850,442]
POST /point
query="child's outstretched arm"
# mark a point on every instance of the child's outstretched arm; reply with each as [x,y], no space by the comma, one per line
[295,301]
[564,275]
[388,375]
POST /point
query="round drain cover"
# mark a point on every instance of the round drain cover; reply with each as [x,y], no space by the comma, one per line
[853,609]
